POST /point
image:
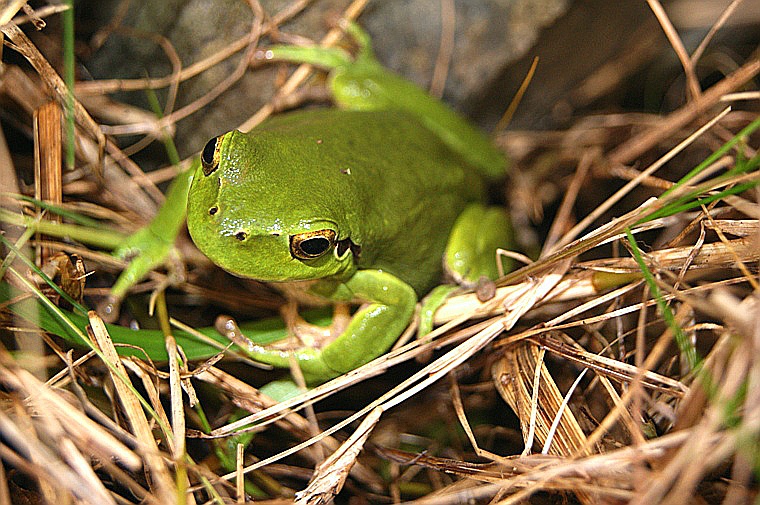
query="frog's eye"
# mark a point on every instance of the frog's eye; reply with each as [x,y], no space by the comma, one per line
[312,244]
[210,155]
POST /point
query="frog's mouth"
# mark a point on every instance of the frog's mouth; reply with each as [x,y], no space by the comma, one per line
[264,256]
[242,253]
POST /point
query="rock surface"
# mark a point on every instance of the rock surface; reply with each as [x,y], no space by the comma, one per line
[488,36]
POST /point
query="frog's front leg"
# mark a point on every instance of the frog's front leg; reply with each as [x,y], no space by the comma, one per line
[151,245]
[388,308]
[375,326]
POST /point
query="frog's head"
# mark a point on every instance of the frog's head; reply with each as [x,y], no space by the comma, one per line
[255,211]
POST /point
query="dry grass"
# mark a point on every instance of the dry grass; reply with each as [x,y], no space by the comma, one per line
[607,371]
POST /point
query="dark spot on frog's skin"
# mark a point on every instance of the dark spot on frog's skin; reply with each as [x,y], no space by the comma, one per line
[275,234]
[241,236]
[213,210]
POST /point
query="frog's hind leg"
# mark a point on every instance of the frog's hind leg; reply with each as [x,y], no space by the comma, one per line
[470,258]
[470,255]
[327,58]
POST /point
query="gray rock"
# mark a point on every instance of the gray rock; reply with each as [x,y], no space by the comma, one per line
[489,35]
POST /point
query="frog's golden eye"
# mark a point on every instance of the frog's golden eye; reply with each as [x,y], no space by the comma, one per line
[210,155]
[312,244]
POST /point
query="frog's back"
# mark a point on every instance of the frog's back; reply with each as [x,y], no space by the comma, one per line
[375,141]
[391,185]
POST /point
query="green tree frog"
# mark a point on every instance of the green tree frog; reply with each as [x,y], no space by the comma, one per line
[367,203]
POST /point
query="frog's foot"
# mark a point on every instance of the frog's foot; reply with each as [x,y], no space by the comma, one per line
[370,332]
[326,58]
[228,327]
[430,304]
[311,335]
[361,37]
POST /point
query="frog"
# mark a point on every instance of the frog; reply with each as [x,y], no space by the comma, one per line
[372,203]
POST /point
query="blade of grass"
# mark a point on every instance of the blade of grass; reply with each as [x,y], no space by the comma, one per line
[688,204]
[692,199]
[69,79]
[98,237]
[75,329]
[681,339]
[58,210]
[743,134]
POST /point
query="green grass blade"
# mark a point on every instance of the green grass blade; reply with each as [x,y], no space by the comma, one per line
[681,339]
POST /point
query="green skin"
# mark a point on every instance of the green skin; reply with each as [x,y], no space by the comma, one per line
[362,203]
